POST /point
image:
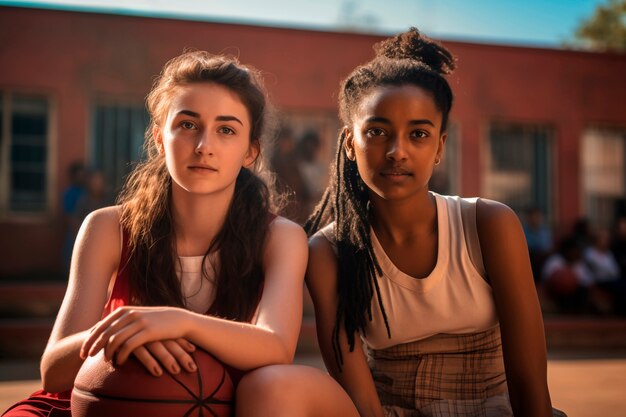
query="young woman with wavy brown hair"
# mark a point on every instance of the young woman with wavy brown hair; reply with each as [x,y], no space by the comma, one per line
[192,257]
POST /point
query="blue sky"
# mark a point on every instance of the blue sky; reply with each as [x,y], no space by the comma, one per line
[520,22]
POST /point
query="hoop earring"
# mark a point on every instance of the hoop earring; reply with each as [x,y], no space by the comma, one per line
[437,161]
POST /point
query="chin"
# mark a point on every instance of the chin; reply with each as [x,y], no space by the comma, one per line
[394,194]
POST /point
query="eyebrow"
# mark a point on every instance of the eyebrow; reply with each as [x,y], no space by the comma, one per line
[376,119]
[218,118]
[228,119]
[189,113]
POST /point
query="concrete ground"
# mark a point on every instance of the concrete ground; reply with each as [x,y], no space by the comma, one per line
[581,384]
[588,385]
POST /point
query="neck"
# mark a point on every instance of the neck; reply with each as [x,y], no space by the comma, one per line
[198,218]
[404,220]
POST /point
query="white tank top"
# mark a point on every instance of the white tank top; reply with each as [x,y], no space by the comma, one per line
[454,299]
[198,289]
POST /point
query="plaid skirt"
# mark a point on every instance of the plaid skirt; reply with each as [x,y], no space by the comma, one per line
[443,376]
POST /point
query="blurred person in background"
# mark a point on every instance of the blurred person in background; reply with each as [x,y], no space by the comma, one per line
[567,278]
[71,222]
[582,233]
[312,169]
[538,239]
[618,244]
[289,180]
[95,196]
[608,295]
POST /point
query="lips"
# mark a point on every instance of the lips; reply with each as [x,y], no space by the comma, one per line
[202,167]
[395,172]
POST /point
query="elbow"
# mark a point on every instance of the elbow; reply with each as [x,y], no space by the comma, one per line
[51,381]
[282,355]
[53,385]
[287,356]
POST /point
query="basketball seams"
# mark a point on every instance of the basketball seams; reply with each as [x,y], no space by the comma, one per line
[99,383]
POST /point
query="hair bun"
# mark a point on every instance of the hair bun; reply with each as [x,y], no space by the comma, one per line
[413,45]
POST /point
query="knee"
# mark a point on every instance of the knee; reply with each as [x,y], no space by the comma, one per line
[263,389]
[293,391]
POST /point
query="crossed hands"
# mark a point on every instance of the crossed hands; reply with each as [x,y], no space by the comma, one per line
[154,335]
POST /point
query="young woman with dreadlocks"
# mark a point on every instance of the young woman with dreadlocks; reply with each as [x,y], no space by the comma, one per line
[400,268]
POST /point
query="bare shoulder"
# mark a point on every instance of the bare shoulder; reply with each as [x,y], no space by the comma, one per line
[492,214]
[322,266]
[502,239]
[106,217]
[321,248]
[282,228]
[286,240]
[101,230]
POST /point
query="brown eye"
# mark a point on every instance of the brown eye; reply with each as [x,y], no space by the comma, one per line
[375,132]
[419,134]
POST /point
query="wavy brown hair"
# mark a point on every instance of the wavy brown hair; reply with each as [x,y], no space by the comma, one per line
[146,200]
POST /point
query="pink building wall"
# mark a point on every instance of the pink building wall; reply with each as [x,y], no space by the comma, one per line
[76,58]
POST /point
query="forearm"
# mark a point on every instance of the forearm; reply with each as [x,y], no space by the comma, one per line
[526,371]
[242,345]
[529,399]
[354,375]
[356,380]
[61,361]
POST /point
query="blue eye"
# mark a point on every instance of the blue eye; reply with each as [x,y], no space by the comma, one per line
[187,125]
[226,130]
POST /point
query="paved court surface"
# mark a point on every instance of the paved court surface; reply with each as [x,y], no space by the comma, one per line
[587,385]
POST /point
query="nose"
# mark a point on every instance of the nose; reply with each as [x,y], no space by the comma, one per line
[204,146]
[396,150]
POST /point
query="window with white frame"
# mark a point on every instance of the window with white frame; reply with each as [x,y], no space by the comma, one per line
[519,166]
[603,157]
[117,140]
[24,154]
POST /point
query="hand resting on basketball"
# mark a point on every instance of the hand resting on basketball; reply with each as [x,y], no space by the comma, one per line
[152,334]
[172,355]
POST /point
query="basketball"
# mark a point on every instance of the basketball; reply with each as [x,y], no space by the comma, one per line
[104,390]
[563,281]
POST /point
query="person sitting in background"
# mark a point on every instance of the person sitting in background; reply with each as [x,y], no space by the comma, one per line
[71,195]
[95,197]
[582,232]
[618,244]
[289,180]
[609,288]
[312,169]
[538,239]
[566,277]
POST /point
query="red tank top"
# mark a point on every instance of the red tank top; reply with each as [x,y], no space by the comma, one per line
[120,294]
